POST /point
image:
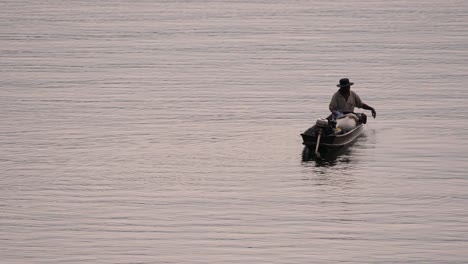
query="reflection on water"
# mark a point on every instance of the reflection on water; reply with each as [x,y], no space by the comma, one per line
[329,158]
[329,171]
[336,168]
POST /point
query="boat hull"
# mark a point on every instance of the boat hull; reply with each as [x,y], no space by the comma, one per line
[331,141]
[329,137]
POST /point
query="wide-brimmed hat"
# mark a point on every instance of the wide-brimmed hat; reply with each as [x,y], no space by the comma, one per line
[344,83]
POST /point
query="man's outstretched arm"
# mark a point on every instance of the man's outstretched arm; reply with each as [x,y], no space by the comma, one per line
[367,107]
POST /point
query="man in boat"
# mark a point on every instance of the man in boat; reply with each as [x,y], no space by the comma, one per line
[344,100]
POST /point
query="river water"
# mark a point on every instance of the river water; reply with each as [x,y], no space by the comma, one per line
[168,131]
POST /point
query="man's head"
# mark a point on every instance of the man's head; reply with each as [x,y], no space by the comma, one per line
[345,85]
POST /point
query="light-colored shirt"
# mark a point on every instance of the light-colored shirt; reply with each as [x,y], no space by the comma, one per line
[339,103]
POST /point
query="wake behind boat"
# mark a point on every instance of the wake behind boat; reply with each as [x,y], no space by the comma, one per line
[329,134]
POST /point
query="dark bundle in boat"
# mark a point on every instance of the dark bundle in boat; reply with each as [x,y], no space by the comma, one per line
[331,134]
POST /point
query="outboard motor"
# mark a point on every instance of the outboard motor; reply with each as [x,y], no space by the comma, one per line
[322,123]
[323,126]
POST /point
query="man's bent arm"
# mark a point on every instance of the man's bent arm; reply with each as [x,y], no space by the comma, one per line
[367,107]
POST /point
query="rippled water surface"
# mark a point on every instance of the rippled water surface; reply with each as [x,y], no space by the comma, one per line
[168,132]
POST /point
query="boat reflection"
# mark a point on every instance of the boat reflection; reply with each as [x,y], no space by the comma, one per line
[332,157]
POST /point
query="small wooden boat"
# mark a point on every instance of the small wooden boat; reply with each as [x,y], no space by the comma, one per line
[328,135]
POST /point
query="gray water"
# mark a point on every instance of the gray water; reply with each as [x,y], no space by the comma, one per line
[168,131]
